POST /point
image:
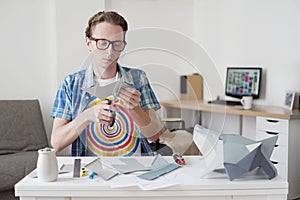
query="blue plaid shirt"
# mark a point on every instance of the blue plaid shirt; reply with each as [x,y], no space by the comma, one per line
[71,100]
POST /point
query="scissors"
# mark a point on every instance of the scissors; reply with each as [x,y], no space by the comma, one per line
[115,93]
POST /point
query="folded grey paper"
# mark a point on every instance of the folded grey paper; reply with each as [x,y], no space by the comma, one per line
[130,165]
[159,167]
[96,166]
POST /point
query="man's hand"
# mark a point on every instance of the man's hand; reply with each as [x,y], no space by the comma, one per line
[130,96]
[101,113]
[149,124]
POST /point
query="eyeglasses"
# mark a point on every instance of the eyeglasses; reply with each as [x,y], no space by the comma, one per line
[103,44]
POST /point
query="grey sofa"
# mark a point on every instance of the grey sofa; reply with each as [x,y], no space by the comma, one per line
[22,133]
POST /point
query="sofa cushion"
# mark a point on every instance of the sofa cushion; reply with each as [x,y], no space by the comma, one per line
[21,126]
[15,166]
[8,195]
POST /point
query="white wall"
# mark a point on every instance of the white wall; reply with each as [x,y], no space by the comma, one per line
[28,63]
[72,17]
[154,29]
[42,41]
[232,32]
[254,32]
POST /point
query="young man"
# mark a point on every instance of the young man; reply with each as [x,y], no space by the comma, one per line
[87,122]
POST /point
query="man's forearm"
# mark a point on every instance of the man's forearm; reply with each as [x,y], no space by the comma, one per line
[64,133]
[149,124]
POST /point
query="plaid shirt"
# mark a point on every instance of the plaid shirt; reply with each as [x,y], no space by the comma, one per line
[71,100]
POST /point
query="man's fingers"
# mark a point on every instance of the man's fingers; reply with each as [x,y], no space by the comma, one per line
[130,95]
[104,113]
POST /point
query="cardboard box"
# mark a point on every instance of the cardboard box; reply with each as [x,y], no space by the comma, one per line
[191,87]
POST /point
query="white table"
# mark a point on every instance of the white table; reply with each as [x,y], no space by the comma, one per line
[215,186]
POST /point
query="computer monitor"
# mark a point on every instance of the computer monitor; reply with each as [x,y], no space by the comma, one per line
[243,81]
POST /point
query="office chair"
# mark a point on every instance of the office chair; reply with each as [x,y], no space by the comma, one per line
[175,120]
[171,120]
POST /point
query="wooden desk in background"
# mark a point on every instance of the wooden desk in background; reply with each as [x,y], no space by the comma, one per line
[262,111]
[270,121]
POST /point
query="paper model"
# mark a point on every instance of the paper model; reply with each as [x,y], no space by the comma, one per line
[210,147]
[240,155]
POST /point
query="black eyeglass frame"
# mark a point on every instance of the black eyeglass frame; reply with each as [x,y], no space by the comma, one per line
[109,43]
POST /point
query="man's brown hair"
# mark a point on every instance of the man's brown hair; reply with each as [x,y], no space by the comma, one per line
[109,17]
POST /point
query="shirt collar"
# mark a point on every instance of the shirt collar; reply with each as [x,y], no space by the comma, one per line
[89,76]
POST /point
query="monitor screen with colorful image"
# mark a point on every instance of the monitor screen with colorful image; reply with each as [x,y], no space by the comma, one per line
[243,81]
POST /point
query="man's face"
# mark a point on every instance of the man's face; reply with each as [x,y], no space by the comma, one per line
[106,58]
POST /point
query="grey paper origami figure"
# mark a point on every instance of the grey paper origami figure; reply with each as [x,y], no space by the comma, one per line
[238,154]
[242,155]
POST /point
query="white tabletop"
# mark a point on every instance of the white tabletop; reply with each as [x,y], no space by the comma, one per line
[186,181]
